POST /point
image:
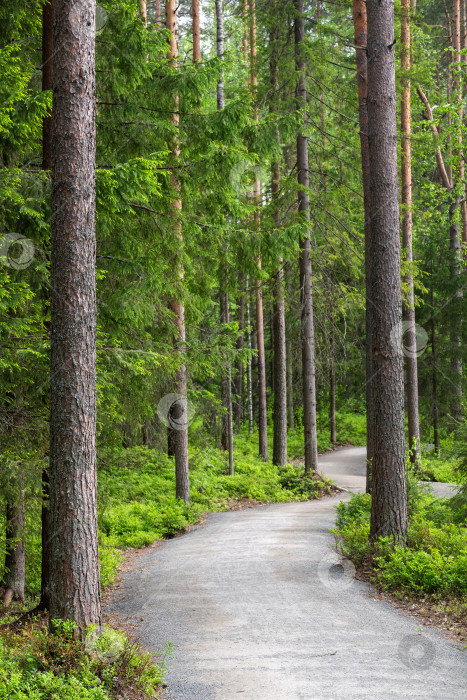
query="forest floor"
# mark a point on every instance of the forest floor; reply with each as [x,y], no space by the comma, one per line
[257,604]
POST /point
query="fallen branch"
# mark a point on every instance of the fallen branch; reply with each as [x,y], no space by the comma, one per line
[439,156]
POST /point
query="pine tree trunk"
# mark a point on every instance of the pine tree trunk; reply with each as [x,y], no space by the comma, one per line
[226,390]
[434,375]
[332,386]
[226,382]
[196,31]
[290,408]
[361,35]
[249,363]
[220,50]
[178,439]
[74,554]
[279,374]
[239,369]
[306,279]
[47,65]
[463,45]
[15,558]
[410,339]
[158,14]
[389,488]
[454,234]
[143,11]
[261,358]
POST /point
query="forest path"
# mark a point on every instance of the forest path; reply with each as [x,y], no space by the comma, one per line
[258,607]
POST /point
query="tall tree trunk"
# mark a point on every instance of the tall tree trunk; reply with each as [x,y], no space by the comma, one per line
[290,408]
[239,369]
[158,14]
[262,400]
[279,456]
[406,185]
[226,390]
[463,45]
[220,50]
[226,382]
[389,488]
[454,233]
[196,31]
[332,386]
[74,554]
[143,11]
[279,383]
[12,586]
[360,31]
[179,435]
[47,69]
[434,375]
[306,279]
[249,362]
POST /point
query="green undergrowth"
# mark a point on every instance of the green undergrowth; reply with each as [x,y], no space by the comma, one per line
[443,467]
[38,665]
[136,487]
[434,559]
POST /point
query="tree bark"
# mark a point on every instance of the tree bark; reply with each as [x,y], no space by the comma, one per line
[74,554]
[15,559]
[306,279]
[463,45]
[262,399]
[158,14]
[434,374]
[389,488]
[290,408]
[196,31]
[239,368]
[454,233]
[143,11]
[279,374]
[410,337]
[261,357]
[332,386]
[220,50]
[361,36]
[249,362]
[226,390]
[178,439]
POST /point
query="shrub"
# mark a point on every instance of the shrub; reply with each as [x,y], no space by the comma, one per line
[37,665]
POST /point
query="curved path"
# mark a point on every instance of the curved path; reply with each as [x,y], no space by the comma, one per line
[258,607]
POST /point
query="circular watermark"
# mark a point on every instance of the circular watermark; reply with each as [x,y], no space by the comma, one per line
[16,251]
[244,177]
[416,652]
[105,646]
[409,339]
[82,23]
[335,573]
[175,411]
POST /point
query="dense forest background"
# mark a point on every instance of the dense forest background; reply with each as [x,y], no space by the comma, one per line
[198,248]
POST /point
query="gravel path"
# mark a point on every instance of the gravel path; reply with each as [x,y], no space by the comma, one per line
[258,607]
